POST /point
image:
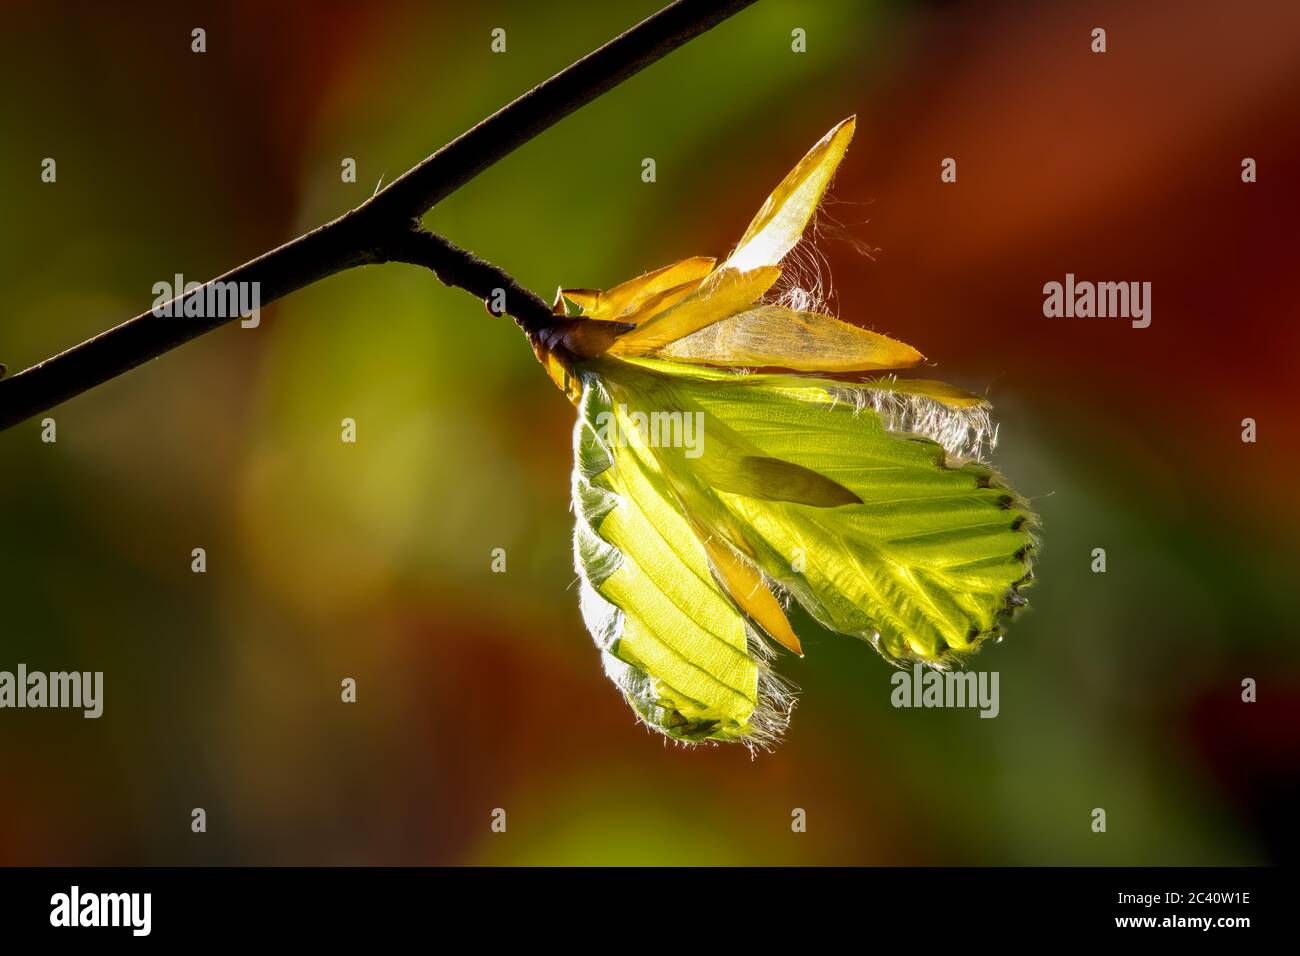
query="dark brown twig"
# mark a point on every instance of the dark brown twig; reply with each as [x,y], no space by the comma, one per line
[381,229]
[457,267]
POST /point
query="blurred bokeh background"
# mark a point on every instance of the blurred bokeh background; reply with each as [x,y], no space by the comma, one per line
[480,690]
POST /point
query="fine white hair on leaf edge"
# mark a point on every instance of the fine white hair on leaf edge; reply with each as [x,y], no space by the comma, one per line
[966,434]
[776,697]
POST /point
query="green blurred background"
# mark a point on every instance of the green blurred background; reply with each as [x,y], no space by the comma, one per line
[479,690]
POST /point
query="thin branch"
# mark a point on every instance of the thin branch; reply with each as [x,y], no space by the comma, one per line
[419,189]
[457,267]
[380,229]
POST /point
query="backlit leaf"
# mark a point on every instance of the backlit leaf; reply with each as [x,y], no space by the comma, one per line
[706,496]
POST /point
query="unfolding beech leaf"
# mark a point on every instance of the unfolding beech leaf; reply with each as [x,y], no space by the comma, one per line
[707,497]
[925,565]
[680,650]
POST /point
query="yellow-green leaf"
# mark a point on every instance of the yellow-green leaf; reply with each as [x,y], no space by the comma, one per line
[671,639]
[929,561]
